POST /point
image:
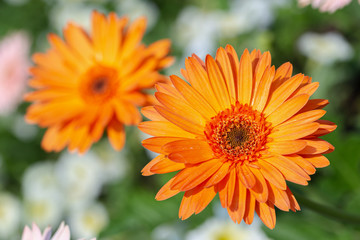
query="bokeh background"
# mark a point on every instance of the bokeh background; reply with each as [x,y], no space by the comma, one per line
[102,193]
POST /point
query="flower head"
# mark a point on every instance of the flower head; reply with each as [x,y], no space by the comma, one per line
[92,82]
[63,233]
[325,5]
[14,63]
[240,129]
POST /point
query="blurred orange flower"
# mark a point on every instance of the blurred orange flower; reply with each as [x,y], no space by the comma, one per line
[92,82]
[240,129]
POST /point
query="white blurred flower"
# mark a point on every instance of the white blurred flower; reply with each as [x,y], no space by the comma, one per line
[113,163]
[22,130]
[196,31]
[43,210]
[10,215]
[166,232]
[246,15]
[214,229]
[16,2]
[137,8]
[325,48]
[39,181]
[88,220]
[74,11]
[80,177]
[325,5]
[14,63]
[63,233]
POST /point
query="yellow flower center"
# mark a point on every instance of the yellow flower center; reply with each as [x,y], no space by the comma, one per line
[237,134]
[98,84]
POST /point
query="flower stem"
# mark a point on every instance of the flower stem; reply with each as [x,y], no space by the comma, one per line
[327,210]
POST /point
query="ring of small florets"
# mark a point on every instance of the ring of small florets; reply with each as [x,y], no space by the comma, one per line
[238,133]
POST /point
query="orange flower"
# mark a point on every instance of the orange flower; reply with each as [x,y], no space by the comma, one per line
[240,129]
[92,82]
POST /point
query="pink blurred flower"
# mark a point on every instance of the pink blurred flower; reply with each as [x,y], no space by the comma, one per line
[325,5]
[63,233]
[14,64]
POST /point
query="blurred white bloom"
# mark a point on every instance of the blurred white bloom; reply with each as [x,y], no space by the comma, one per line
[63,233]
[80,177]
[16,2]
[166,232]
[197,31]
[22,130]
[39,181]
[10,215]
[14,63]
[246,15]
[88,220]
[137,8]
[113,163]
[74,11]
[214,229]
[43,210]
[325,48]
[325,5]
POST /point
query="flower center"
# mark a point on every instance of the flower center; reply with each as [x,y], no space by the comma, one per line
[237,134]
[98,84]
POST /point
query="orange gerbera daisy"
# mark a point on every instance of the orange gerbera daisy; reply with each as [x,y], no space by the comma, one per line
[240,129]
[92,82]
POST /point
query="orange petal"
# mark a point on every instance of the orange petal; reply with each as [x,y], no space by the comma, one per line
[250,208]
[246,176]
[188,151]
[286,147]
[272,174]
[224,63]
[303,163]
[313,104]
[152,114]
[237,209]
[192,96]
[287,109]
[291,171]
[308,89]
[293,203]
[185,122]
[266,212]
[146,170]
[259,190]
[195,200]
[199,80]
[166,166]
[279,197]
[179,106]
[318,161]
[316,146]
[166,192]
[263,64]
[166,129]
[305,117]
[217,82]
[282,74]
[261,97]
[279,95]
[191,177]
[116,134]
[133,36]
[155,144]
[219,175]
[293,131]
[245,81]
